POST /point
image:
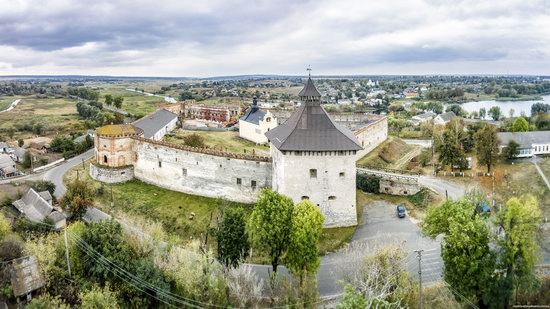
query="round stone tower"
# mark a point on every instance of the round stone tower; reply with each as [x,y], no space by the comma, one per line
[113,145]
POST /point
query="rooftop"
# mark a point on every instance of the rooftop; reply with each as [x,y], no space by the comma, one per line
[151,124]
[113,130]
[310,128]
[33,205]
[524,139]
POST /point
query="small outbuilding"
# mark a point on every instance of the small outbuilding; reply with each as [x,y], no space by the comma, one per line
[37,206]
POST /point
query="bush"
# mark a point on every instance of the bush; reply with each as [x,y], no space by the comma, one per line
[43,185]
[194,140]
[368,183]
[422,198]
[11,248]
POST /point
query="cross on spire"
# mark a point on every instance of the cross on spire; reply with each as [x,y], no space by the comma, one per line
[309,70]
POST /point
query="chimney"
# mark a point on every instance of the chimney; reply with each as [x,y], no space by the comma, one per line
[254,104]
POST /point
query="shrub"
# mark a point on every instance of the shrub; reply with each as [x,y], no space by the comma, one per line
[11,248]
[368,183]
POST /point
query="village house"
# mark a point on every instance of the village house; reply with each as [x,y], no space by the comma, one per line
[442,119]
[17,154]
[7,166]
[156,125]
[530,143]
[255,123]
[38,206]
[421,118]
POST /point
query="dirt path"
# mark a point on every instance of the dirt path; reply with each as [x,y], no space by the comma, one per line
[12,106]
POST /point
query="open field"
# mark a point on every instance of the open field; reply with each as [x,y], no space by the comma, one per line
[134,103]
[223,140]
[174,209]
[6,101]
[57,116]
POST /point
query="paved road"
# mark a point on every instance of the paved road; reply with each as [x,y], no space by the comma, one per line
[55,175]
[443,187]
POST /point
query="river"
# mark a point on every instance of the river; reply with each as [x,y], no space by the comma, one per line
[505,106]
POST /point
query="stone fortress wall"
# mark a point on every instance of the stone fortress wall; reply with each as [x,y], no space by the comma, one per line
[214,174]
[111,175]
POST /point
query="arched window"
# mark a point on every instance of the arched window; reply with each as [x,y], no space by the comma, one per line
[305,197]
[268,119]
[331,198]
[105,159]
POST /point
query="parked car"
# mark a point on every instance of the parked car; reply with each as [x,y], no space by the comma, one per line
[401,211]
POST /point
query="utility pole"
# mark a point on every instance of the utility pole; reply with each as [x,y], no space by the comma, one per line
[419,257]
[67,252]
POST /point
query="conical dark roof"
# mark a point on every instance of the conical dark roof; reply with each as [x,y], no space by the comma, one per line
[309,90]
[310,128]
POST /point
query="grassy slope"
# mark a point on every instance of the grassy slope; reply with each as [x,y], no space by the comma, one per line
[394,148]
[134,103]
[173,209]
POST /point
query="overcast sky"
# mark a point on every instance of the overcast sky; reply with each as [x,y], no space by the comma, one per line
[212,38]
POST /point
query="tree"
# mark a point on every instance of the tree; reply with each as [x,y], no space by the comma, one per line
[482,113]
[457,109]
[194,140]
[20,142]
[368,183]
[27,160]
[469,262]
[11,247]
[108,99]
[269,225]
[520,125]
[352,299]
[495,113]
[118,101]
[451,150]
[233,243]
[99,298]
[520,222]
[78,198]
[4,226]
[302,257]
[46,301]
[486,143]
[512,150]
[43,185]
[539,108]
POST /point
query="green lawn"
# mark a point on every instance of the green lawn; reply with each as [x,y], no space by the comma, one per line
[6,101]
[223,140]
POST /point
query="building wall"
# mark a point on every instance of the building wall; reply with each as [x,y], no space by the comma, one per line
[371,136]
[396,187]
[200,173]
[114,151]
[539,149]
[167,129]
[256,133]
[111,175]
[333,188]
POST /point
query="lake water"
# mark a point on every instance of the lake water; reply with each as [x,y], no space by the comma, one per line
[505,106]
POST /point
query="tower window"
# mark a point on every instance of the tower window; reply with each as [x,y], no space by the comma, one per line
[184,171]
[253,183]
[239,181]
[105,159]
[342,174]
[312,173]
[331,198]
[160,163]
[305,197]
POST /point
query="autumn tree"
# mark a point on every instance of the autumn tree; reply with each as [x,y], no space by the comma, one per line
[232,240]
[302,257]
[269,225]
[469,261]
[78,198]
[451,150]
[520,221]
[486,144]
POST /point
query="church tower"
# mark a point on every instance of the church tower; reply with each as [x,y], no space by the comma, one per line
[314,158]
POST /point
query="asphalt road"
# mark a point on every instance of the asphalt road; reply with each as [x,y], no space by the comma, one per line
[55,174]
[443,187]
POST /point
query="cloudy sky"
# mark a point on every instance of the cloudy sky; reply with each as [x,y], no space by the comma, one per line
[226,37]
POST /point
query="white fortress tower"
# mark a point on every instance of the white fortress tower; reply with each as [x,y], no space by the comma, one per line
[314,158]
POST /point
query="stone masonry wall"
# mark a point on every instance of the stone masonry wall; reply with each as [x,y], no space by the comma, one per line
[395,187]
[236,178]
[111,175]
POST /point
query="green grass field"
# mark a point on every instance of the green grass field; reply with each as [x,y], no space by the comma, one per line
[58,116]
[6,101]
[223,140]
[134,103]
